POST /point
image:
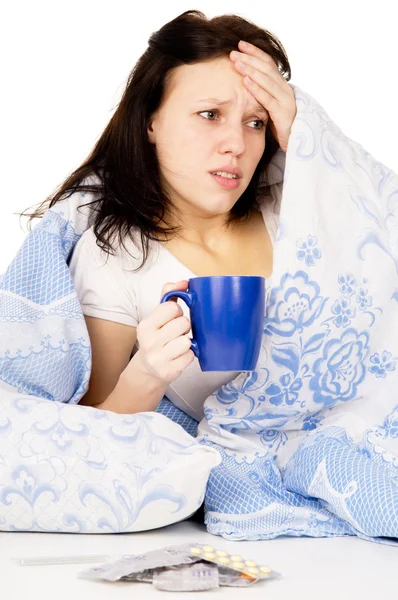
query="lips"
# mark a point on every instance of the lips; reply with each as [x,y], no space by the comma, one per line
[229,169]
[226,182]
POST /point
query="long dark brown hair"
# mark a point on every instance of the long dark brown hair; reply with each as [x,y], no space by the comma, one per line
[128,195]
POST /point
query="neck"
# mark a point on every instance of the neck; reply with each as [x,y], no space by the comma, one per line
[208,232]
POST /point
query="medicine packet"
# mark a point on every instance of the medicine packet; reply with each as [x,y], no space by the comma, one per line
[171,566]
[197,577]
[131,564]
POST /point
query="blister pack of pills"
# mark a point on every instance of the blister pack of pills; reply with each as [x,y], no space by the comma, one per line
[185,567]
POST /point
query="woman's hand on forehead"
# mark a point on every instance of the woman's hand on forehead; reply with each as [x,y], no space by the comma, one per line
[266,84]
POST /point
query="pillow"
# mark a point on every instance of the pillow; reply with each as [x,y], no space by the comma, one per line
[77,469]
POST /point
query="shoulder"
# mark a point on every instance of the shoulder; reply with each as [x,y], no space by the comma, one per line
[124,256]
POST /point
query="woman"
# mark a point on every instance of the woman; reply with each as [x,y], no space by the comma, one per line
[178,164]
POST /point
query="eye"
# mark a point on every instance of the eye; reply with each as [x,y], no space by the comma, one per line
[208,111]
[216,111]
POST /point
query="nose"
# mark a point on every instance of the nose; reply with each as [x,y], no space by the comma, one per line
[233,139]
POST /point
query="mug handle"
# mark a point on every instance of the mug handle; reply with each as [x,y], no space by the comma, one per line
[187,298]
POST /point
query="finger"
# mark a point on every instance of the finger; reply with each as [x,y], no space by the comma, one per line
[179,285]
[264,80]
[178,347]
[245,63]
[252,50]
[173,329]
[182,362]
[179,364]
[266,65]
[169,286]
[163,313]
[265,98]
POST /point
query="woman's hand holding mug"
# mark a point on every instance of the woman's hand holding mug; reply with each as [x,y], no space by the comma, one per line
[164,346]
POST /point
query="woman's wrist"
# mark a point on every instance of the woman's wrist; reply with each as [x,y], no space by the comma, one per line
[136,390]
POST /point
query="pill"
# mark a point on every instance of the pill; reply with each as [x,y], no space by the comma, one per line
[208,548]
[237,565]
[252,570]
[265,569]
[196,551]
[221,553]
[223,560]
[236,558]
[209,555]
[250,563]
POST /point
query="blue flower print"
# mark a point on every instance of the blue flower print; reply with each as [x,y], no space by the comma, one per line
[229,393]
[338,373]
[344,313]
[25,482]
[31,489]
[390,425]
[382,365]
[269,435]
[286,393]
[273,439]
[294,305]
[347,281]
[308,251]
[311,422]
[363,299]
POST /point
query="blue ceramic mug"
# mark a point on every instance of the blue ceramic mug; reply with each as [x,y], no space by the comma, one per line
[227,314]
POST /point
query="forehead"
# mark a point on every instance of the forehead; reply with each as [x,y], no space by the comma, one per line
[215,81]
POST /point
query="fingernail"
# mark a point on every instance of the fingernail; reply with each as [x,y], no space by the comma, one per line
[244,44]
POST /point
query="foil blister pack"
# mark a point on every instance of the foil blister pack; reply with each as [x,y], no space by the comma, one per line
[184,567]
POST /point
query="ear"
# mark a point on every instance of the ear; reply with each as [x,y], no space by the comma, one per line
[151,132]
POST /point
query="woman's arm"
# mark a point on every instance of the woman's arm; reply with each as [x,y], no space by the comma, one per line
[118,383]
[136,391]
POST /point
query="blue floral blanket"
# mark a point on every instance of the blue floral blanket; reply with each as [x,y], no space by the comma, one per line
[309,440]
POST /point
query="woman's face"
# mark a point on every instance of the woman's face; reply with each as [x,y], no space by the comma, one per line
[194,137]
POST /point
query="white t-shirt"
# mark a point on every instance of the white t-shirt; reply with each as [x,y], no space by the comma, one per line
[108,289]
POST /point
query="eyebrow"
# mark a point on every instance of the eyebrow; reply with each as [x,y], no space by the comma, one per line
[219,102]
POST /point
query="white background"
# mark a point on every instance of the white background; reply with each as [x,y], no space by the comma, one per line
[64,66]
